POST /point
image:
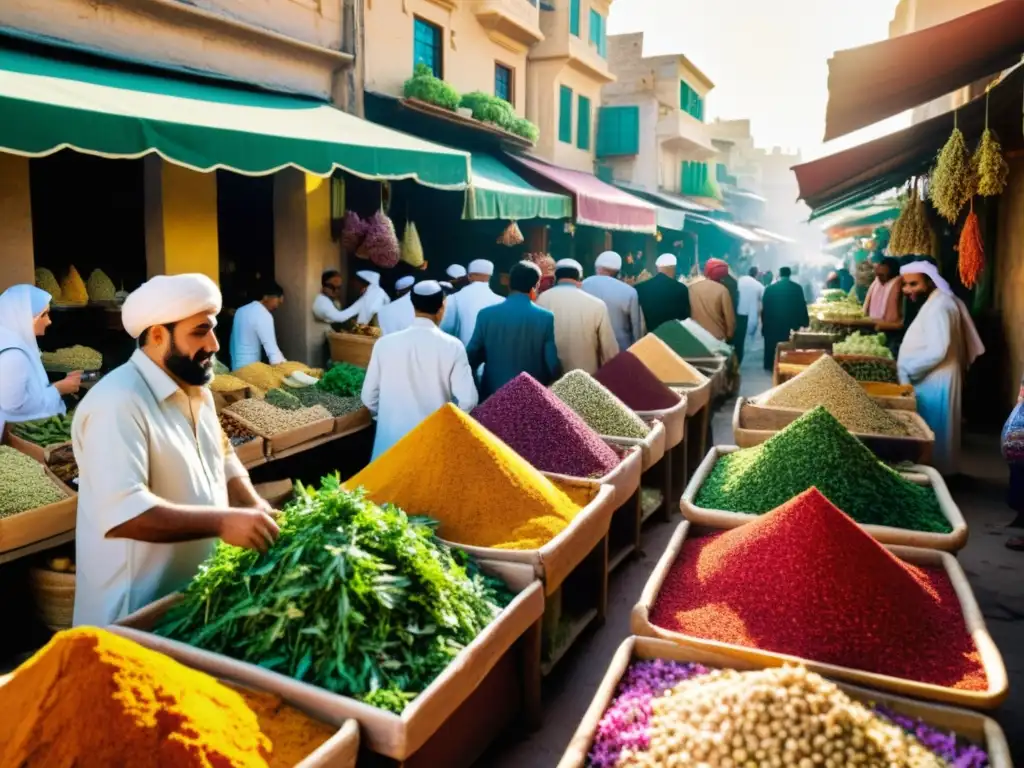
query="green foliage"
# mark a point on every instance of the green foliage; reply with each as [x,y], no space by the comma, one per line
[425,87]
[520,126]
[360,600]
[491,109]
[343,380]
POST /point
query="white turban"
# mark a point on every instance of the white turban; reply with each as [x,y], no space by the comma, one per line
[481,267]
[404,283]
[569,264]
[666,260]
[609,260]
[973,347]
[169,299]
[368,276]
[456,271]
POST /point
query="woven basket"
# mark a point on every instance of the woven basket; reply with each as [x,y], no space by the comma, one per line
[54,596]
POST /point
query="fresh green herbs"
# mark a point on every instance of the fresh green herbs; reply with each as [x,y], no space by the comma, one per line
[358,599]
[343,380]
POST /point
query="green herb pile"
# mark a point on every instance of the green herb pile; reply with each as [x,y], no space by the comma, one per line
[868,370]
[816,451]
[873,345]
[44,432]
[336,406]
[343,380]
[281,399]
[682,342]
[358,599]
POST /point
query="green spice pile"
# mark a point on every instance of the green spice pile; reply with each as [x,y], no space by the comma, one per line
[343,380]
[357,599]
[869,345]
[681,341]
[869,370]
[76,358]
[600,409]
[269,421]
[44,432]
[816,450]
[825,383]
[335,405]
[281,399]
[24,484]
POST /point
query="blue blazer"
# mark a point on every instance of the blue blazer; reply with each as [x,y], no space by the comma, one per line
[514,337]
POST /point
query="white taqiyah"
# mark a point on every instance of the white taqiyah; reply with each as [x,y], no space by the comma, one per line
[569,264]
[666,260]
[427,288]
[609,260]
[168,299]
[456,271]
[404,283]
[481,267]
[368,276]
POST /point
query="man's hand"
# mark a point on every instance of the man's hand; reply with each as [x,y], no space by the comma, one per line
[70,384]
[249,528]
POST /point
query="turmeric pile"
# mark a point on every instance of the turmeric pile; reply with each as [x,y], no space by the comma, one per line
[507,504]
[92,698]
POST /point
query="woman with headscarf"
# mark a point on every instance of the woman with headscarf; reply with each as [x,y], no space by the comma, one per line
[25,390]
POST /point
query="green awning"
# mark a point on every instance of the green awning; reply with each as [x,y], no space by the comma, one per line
[498,192]
[48,104]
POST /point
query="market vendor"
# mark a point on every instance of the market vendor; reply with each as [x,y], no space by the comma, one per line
[371,298]
[414,372]
[939,346]
[460,318]
[252,333]
[399,314]
[663,298]
[622,300]
[884,300]
[158,481]
[25,390]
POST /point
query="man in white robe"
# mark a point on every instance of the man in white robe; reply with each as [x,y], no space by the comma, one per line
[399,314]
[939,346]
[460,318]
[414,372]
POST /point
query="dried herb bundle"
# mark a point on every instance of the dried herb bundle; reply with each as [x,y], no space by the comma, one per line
[990,167]
[972,251]
[911,232]
[952,180]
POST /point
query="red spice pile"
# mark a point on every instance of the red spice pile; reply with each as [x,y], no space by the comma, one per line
[804,580]
[633,383]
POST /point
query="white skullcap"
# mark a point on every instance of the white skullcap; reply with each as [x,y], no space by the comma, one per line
[666,260]
[481,267]
[456,271]
[568,264]
[427,288]
[169,299]
[368,276]
[404,283]
[609,260]
[447,286]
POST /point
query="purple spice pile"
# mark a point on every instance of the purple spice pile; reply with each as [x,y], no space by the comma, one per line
[958,752]
[625,722]
[545,431]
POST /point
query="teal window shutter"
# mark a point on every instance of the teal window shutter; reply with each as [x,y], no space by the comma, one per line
[598,33]
[618,131]
[565,114]
[427,46]
[583,123]
[605,173]
[574,17]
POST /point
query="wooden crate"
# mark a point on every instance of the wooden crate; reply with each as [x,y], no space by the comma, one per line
[897,397]
[662,475]
[927,476]
[353,422]
[276,493]
[976,728]
[673,419]
[252,453]
[351,348]
[34,525]
[277,444]
[656,472]
[447,724]
[753,423]
[991,659]
[37,452]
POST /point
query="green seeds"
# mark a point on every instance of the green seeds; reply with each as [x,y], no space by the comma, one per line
[24,484]
[600,409]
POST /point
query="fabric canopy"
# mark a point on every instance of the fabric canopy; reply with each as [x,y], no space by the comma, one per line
[733,230]
[49,104]
[873,82]
[597,204]
[857,174]
[664,199]
[498,192]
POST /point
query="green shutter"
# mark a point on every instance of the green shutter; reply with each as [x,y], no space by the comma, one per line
[574,17]
[598,34]
[605,173]
[618,131]
[583,123]
[565,114]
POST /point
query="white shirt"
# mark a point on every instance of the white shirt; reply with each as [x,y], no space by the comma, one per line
[22,394]
[362,309]
[396,316]
[412,373]
[460,319]
[751,292]
[327,312]
[136,447]
[252,334]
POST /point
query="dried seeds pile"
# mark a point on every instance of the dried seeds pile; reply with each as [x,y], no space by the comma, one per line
[335,405]
[269,420]
[225,382]
[236,433]
[825,383]
[817,451]
[24,484]
[838,597]
[545,431]
[633,383]
[665,364]
[600,409]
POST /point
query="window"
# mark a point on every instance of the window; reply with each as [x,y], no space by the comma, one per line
[583,123]
[574,17]
[618,131]
[694,178]
[427,46]
[565,114]
[598,33]
[504,83]
[690,101]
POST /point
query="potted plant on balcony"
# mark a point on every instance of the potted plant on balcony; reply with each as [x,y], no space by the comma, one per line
[423,86]
[496,111]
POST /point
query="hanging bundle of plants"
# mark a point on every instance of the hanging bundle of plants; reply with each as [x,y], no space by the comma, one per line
[972,251]
[952,181]
[412,249]
[990,167]
[511,236]
[896,233]
[911,232]
[353,232]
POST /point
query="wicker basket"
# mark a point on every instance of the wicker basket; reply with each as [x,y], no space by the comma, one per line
[351,348]
[54,596]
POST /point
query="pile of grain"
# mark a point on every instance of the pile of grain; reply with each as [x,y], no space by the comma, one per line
[600,409]
[269,421]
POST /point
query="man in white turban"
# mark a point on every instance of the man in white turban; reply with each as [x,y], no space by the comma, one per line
[622,300]
[399,314]
[939,346]
[158,481]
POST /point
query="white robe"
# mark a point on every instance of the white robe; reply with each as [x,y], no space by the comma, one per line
[396,316]
[411,374]
[932,359]
[460,320]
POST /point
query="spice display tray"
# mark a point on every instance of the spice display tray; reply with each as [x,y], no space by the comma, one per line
[714,369]
[352,422]
[906,400]
[657,471]
[277,444]
[991,659]
[921,475]
[696,445]
[624,479]
[673,419]
[37,452]
[350,348]
[34,525]
[492,681]
[697,395]
[581,601]
[252,453]
[754,423]
[652,446]
[222,400]
[975,727]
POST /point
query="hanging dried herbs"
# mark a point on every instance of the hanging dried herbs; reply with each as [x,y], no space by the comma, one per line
[972,251]
[990,167]
[911,233]
[952,180]
[511,236]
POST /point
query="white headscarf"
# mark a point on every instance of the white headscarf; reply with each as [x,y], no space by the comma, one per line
[973,348]
[20,305]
